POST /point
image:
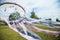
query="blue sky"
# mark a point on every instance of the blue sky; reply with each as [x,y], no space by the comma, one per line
[42,8]
[1,0]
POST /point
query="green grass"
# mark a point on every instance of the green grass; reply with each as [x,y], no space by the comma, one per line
[57,24]
[7,34]
[47,28]
[45,36]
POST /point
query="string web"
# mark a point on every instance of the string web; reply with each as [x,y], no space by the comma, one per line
[14,17]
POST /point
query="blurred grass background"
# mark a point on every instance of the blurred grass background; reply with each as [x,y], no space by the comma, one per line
[7,34]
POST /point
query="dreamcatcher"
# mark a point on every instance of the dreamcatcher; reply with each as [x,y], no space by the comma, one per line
[14,16]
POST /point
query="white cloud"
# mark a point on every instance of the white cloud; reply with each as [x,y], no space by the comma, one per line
[44,8]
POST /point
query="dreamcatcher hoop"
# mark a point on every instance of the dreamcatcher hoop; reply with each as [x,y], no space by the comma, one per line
[4,3]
